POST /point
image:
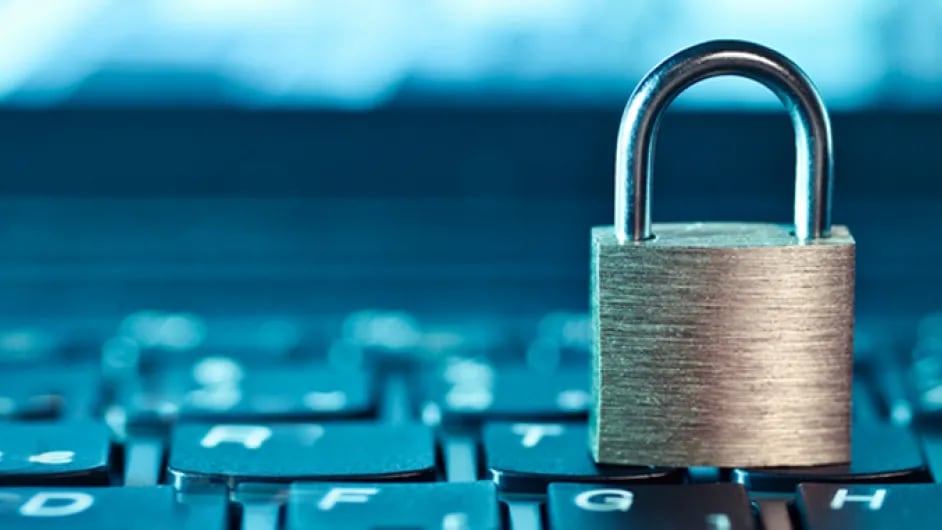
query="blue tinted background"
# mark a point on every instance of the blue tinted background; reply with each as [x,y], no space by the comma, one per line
[446,157]
[364,54]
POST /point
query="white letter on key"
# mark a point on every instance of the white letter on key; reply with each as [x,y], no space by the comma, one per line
[36,505]
[534,432]
[611,500]
[53,457]
[874,501]
[338,495]
[251,436]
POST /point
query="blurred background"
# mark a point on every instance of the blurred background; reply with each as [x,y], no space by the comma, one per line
[441,157]
[361,54]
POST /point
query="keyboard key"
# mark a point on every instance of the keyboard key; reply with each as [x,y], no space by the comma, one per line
[55,454]
[220,390]
[232,454]
[492,338]
[869,507]
[526,457]
[389,330]
[387,339]
[142,508]
[440,506]
[892,388]
[880,453]
[932,449]
[924,380]
[602,507]
[774,514]
[395,341]
[865,403]
[563,336]
[301,393]
[47,393]
[23,346]
[878,339]
[153,340]
[468,391]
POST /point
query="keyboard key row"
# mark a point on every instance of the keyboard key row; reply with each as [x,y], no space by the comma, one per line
[201,455]
[526,457]
[339,505]
[727,507]
[475,505]
[218,390]
[148,340]
[222,389]
[460,392]
[44,393]
[466,392]
[519,457]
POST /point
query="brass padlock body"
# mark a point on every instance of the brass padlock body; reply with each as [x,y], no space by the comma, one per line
[722,344]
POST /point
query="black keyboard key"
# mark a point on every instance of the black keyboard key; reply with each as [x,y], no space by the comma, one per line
[48,393]
[526,457]
[869,507]
[142,508]
[774,514]
[880,453]
[440,506]
[55,454]
[468,391]
[602,507]
[232,454]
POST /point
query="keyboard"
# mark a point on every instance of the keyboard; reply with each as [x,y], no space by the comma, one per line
[391,420]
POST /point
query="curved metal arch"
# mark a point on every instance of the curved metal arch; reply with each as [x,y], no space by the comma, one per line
[637,132]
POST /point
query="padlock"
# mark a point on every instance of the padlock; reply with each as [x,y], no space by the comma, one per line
[722,344]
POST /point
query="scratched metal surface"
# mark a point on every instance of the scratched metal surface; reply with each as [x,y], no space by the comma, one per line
[723,345]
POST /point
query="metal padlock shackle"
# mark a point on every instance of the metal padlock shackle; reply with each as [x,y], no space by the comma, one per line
[637,132]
